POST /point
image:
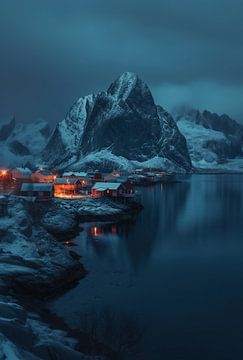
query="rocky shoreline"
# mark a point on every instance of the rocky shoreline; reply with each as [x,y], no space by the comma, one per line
[35,265]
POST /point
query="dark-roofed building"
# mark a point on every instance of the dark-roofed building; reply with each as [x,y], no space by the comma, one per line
[39,191]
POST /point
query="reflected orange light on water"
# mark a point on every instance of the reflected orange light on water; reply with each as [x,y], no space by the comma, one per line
[96,231]
[114,229]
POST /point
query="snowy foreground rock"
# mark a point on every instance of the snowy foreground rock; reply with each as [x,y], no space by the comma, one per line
[24,336]
[31,259]
[34,263]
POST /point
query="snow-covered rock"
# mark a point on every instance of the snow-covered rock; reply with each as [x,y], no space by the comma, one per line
[31,259]
[21,143]
[94,209]
[214,142]
[61,223]
[33,263]
[25,336]
[116,128]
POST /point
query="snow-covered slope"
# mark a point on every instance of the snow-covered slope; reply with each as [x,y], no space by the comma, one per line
[214,142]
[20,143]
[119,127]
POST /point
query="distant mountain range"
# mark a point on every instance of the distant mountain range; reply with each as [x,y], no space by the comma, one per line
[214,142]
[22,143]
[123,127]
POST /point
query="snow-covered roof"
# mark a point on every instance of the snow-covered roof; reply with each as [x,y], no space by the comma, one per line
[75,173]
[66,181]
[103,186]
[36,187]
[24,171]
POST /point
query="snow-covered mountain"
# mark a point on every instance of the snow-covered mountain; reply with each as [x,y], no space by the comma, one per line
[215,142]
[120,127]
[22,143]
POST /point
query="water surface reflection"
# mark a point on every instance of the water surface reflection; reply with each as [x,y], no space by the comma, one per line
[178,267]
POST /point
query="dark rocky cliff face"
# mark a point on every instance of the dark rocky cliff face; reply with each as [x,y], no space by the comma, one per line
[123,120]
[172,143]
[232,145]
[6,130]
[231,129]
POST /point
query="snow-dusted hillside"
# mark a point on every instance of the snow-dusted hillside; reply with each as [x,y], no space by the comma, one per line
[214,142]
[20,143]
[118,128]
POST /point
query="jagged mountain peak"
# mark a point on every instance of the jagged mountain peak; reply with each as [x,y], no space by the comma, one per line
[130,86]
[122,123]
[123,84]
[212,120]
[213,140]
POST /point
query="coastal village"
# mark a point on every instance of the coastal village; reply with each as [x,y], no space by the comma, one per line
[41,213]
[42,184]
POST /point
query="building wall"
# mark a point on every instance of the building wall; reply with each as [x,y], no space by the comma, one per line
[38,194]
[65,188]
[42,178]
[18,175]
[84,180]
[108,193]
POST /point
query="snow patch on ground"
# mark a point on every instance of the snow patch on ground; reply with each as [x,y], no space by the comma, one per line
[106,155]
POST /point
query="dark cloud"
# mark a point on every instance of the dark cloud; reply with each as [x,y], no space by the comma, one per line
[53,52]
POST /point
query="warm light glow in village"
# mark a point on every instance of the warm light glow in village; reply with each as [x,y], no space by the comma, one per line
[43,184]
[3,172]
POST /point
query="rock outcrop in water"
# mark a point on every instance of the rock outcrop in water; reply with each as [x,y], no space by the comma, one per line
[120,127]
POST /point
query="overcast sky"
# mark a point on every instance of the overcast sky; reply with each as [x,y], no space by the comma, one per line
[55,51]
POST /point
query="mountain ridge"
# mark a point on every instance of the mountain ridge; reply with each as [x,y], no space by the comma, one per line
[123,127]
[22,142]
[123,120]
[214,141]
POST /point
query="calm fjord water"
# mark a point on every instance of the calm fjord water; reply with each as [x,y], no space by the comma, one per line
[178,267]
